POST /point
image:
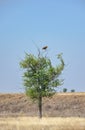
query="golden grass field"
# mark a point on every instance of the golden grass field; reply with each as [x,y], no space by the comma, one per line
[34,123]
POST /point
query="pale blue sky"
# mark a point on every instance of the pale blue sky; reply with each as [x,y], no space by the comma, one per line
[60,24]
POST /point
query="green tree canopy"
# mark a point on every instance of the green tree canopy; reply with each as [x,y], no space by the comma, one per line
[40,76]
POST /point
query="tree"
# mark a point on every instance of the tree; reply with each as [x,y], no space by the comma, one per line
[40,76]
[64,90]
[72,90]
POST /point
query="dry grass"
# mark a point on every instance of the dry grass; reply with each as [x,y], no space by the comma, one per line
[60,105]
[33,123]
[70,93]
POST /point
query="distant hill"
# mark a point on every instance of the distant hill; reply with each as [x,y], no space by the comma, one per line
[60,105]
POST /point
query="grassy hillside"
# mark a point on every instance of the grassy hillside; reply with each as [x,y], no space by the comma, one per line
[60,105]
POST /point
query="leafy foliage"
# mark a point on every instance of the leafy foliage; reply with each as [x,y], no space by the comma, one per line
[64,90]
[72,90]
[40,76]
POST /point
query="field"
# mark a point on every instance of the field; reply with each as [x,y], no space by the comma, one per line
[60,105]
[33,123]
[64,111]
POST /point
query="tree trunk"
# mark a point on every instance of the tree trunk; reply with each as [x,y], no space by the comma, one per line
[40,106]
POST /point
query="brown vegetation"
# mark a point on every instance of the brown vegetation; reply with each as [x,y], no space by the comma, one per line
[33,123]
[60,105]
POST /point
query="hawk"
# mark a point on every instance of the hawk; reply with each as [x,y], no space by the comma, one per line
[45,47]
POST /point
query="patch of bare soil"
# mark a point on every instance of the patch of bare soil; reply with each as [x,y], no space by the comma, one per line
[60,105]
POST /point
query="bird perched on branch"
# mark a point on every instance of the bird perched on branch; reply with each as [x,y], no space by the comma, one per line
[45,47]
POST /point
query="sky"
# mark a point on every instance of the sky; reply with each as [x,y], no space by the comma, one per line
[25,24]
